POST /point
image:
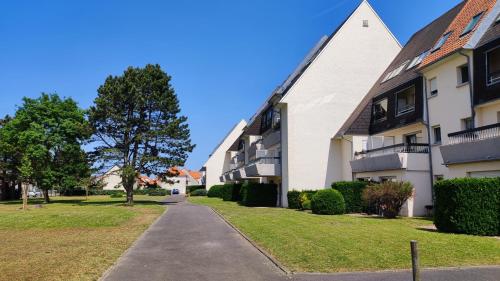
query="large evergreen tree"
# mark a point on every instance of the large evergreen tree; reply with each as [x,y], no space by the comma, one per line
[137,126]
[43,142]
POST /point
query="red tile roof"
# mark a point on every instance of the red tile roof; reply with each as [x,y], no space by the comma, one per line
[456,41]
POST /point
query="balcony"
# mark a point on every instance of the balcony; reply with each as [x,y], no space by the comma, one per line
[474,145]
[272,139]
[395,157]
[252,150]
[266,164]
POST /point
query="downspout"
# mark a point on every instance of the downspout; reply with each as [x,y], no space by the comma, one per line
[471,91]
[427,124]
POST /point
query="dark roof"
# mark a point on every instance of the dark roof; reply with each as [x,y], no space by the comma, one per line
[423,40]
[236,144]
[491,34]
[253,129]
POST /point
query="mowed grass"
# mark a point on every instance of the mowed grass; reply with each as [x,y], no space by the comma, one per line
[70,238]
[304,242]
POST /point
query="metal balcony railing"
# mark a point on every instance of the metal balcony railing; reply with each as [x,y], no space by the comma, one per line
[480,133]
[397,148]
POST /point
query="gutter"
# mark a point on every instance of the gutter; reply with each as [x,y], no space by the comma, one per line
[427,124]
[471,91]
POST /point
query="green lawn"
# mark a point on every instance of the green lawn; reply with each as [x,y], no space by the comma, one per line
[70,238]
[311,243]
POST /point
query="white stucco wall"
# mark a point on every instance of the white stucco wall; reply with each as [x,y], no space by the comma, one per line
[325,95]
[217,161]
[112,180]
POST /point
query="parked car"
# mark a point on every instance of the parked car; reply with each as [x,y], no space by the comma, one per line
[175,191]
[33,194]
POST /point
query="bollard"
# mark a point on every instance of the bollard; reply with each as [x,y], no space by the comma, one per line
[414,260]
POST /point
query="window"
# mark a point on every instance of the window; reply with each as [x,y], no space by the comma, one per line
[433,90]
[493,66]
[498,19]
[437,134]
[441,42]
[417,60]
[438,177]
[463,74]
[395,72]
[380,111]
[241,145]
[470,26]
[365,23]
[467,123]
[267,120]
[411,138]
[405,101]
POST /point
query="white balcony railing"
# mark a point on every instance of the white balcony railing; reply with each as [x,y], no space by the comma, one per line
[397,148]
[480,133]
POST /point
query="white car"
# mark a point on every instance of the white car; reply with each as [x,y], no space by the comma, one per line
[34,194]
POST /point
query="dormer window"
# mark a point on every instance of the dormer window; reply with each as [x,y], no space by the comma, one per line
[441,42]
[405,101]
[379,111]
[493,66]
[473,22]
[417,60]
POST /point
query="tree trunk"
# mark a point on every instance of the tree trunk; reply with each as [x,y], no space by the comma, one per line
[24,188]
[46,197]
[130,196]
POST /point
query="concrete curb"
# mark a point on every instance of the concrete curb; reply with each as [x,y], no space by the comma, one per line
[264,252]
[117,261]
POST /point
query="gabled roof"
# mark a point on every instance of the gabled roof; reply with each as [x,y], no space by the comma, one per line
[236,144]
[423,40]
[457,40]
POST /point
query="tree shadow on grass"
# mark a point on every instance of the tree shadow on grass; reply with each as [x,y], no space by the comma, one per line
[83,202]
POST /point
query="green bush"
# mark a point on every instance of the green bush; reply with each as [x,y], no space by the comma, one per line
[468,205]
[389,197]
[293,199]
[158,192]
[352,191]
[231,192]
[305,197]
[192,188]
[328,202]
[198,192]
[117,195]
[215,191]
[259,194]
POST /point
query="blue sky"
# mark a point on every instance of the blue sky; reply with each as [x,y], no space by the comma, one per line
[225,56]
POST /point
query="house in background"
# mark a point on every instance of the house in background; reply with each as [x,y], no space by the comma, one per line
[180,179]
[289,141]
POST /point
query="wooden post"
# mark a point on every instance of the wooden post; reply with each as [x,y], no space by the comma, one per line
[414,260]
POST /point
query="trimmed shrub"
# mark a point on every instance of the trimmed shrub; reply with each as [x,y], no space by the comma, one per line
[192,188]
[468,205]
[305,199]
[198,192]
[215,191]
[231,192]
[388,197]
[293,199]
[259,194]
[158,192]
[352,191]
[328,202]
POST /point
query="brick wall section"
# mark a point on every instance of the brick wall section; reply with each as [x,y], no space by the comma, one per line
[455,41]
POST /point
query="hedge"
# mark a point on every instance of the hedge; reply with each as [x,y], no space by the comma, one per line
[352,192]
[215,191]
[305,197]
[198,192]
[328,202]
[468,205]
[192,188]
[293,199]
[231,192]
[259,194]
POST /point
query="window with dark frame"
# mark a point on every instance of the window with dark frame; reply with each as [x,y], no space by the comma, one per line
[405,101]
[379,111]
[441,42]
[437,134]
[493,66]
[433,90]
[472,23]
[467,123]
[463,74]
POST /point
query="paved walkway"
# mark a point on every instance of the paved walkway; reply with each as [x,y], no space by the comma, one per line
[192,243]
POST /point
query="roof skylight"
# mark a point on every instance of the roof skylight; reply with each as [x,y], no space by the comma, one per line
[472,23]
[417,60]
[395,72]
[441,42]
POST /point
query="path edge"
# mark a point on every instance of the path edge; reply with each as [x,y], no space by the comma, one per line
[273,260]
[117,261]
